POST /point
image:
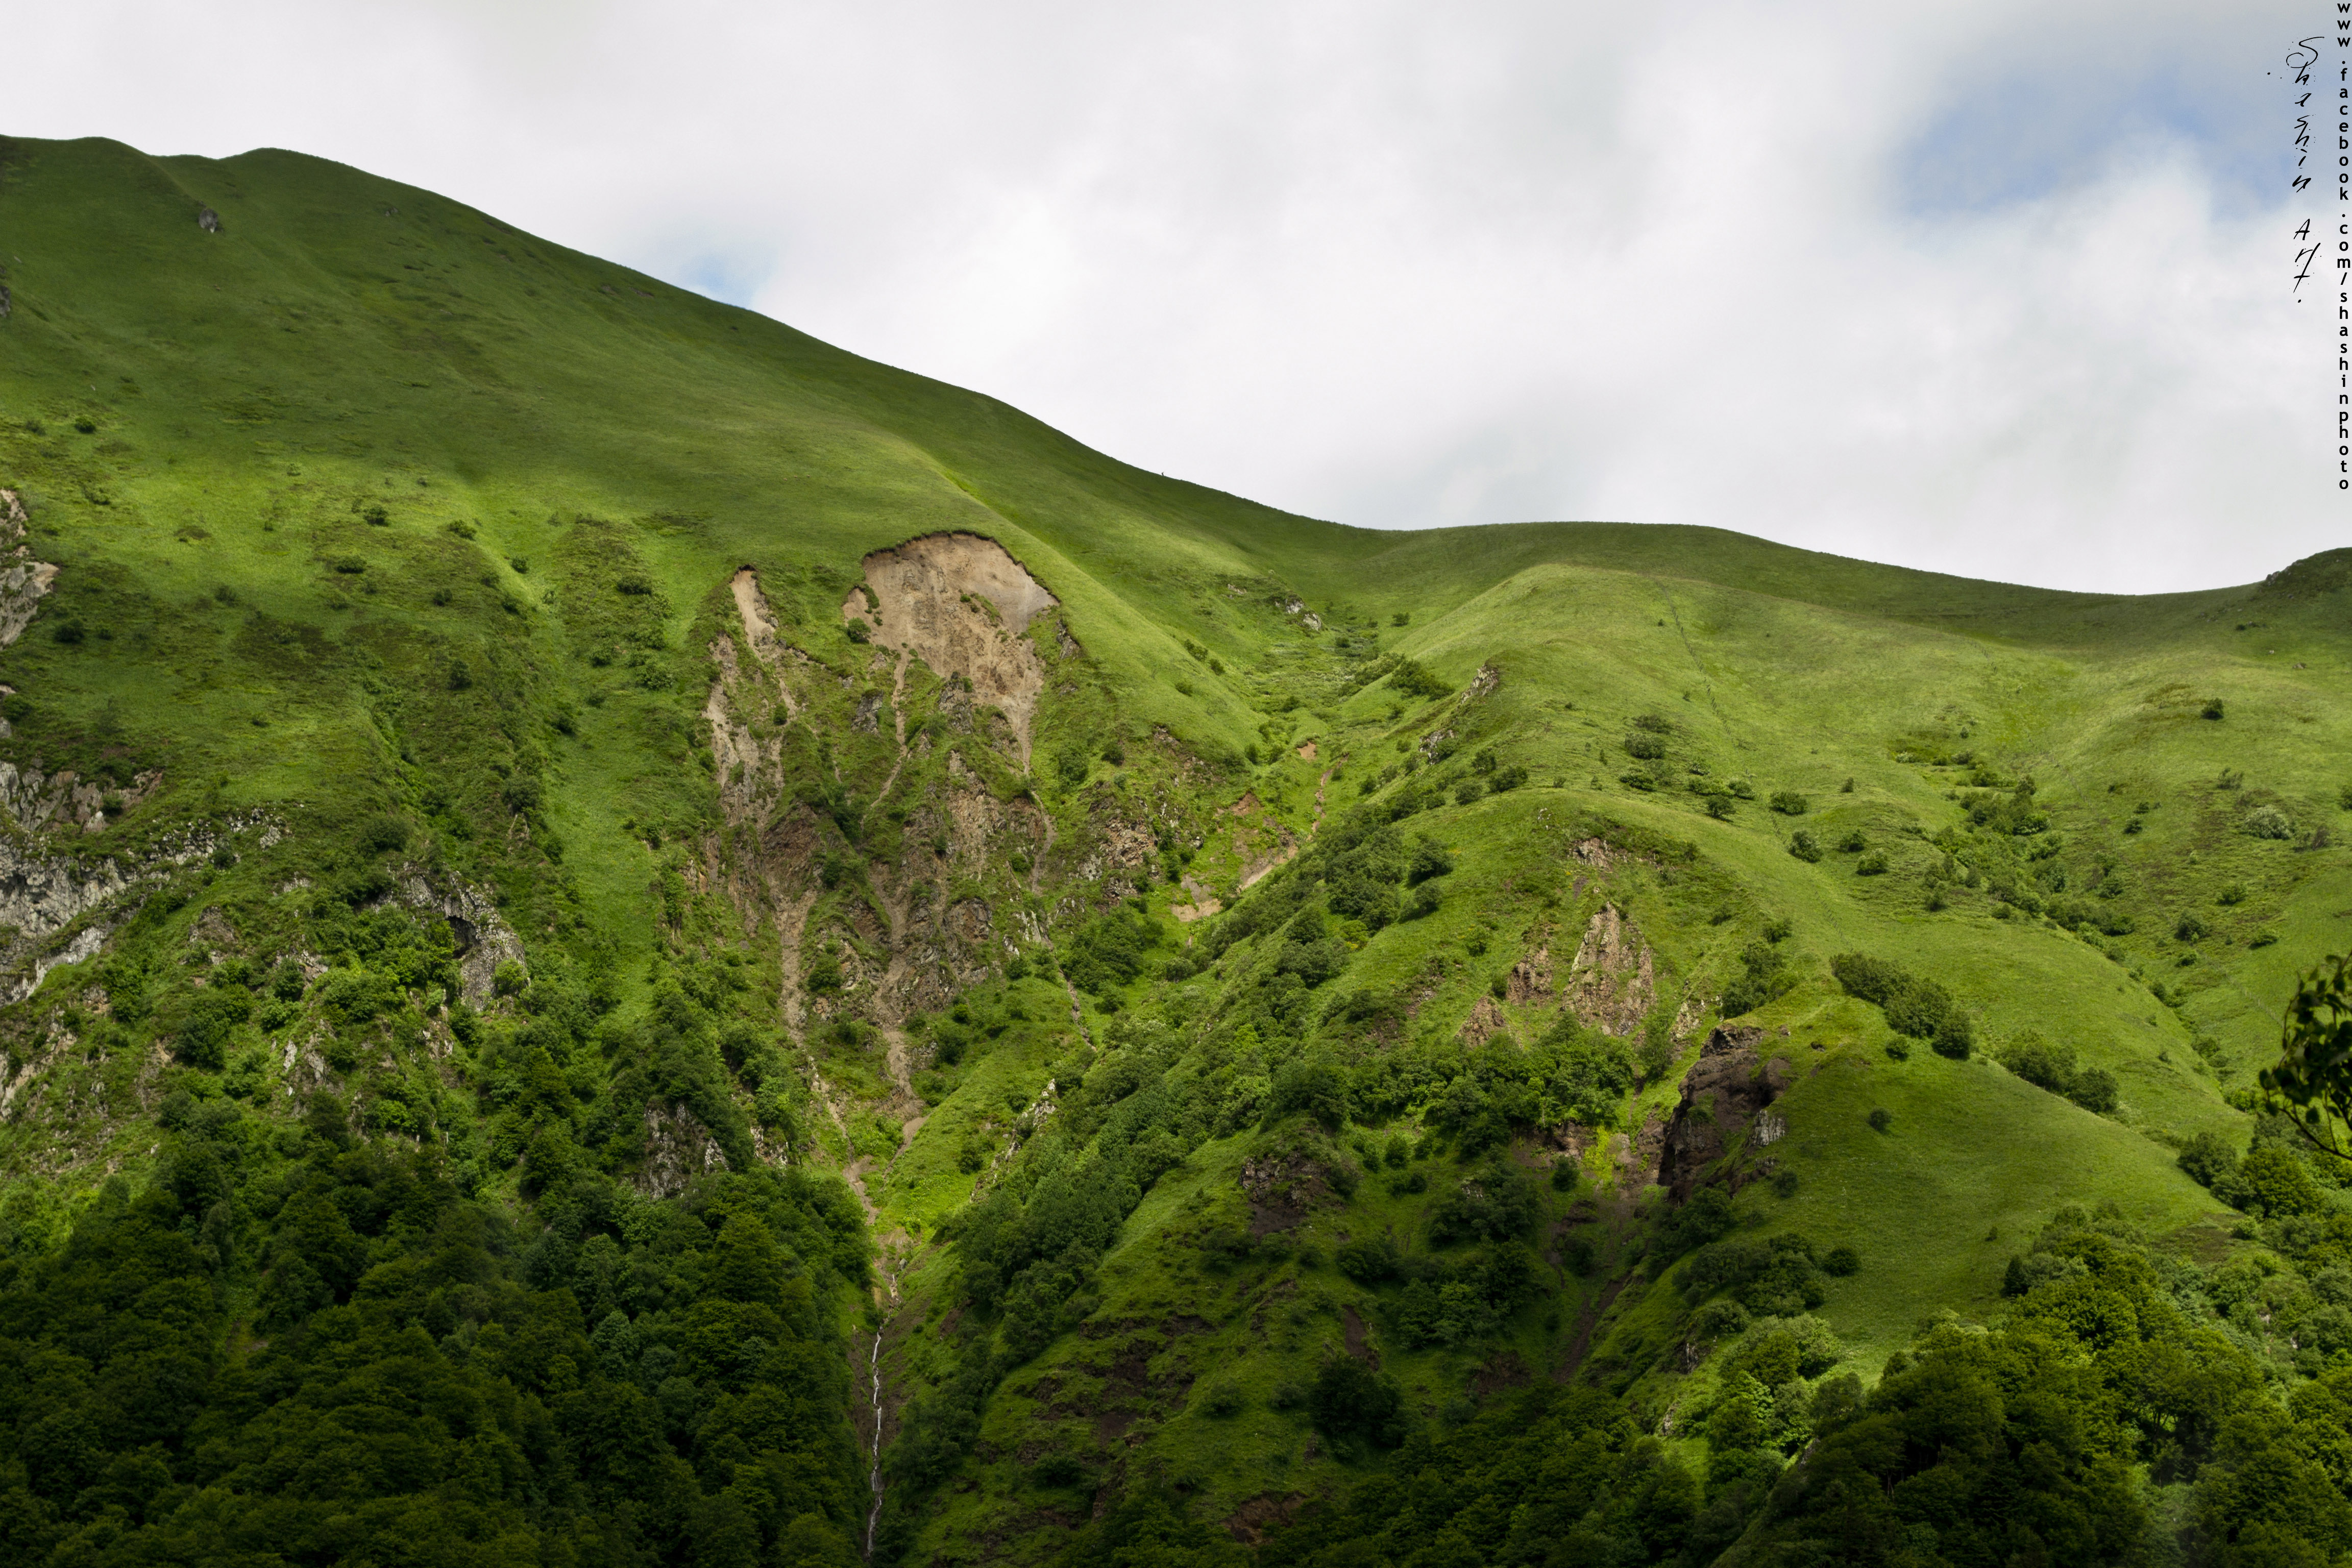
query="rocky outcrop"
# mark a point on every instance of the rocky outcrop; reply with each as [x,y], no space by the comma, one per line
[1116,858]
[678,1148]
[1484,1022]
[1612,982]
[483,940]
[34,800]
[82,944]
[933,945]
[43,894]
[1723,1095]
[24,581]
[1530,978]
[1280,1189]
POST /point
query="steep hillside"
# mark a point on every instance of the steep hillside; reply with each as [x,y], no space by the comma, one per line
[632,937]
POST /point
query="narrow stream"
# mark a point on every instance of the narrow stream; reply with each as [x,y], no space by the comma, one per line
[874,1477]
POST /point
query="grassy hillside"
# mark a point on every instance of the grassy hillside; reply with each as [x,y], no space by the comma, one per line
[475,774]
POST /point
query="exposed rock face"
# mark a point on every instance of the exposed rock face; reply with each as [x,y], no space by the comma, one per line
[41,894]
[1261,843]
[24,580]
[1530,977]
[960,603]
[34,801]
[208,220]
[935,946]
[484,941]
[1204,903]
[1280,1188]
[1117,858]
[1486,1021]
[1611,983]
[678,1148]
[82,944]
[1729,1089]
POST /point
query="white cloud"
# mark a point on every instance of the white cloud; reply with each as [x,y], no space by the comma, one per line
[1995,288]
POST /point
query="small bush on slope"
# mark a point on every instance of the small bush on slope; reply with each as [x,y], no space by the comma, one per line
[1914,1005]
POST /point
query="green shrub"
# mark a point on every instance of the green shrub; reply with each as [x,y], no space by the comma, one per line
[1058,1470]
[1765,977]
[1804,846]
[1496,1203]
[211,1016]
[1881,1119]
[1412,678]
[2094,1091]
[1317,1088]
[1872,863]
[2212,709]
[1779,1277]
[2268,822]
[1788,802]
[1429,860]
[2210,1160]
[857,632]
[1349,1403]
[1647,747]
[1915,1005]
[1704,1218]
[2190,927]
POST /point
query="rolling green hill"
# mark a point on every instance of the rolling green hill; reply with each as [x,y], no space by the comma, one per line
[633,938]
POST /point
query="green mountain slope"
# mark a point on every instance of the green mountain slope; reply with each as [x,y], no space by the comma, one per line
[697,896]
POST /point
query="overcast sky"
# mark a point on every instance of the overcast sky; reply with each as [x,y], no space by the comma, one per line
[1996,288]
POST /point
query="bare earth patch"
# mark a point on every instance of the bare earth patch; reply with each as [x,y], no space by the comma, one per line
[960,604]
